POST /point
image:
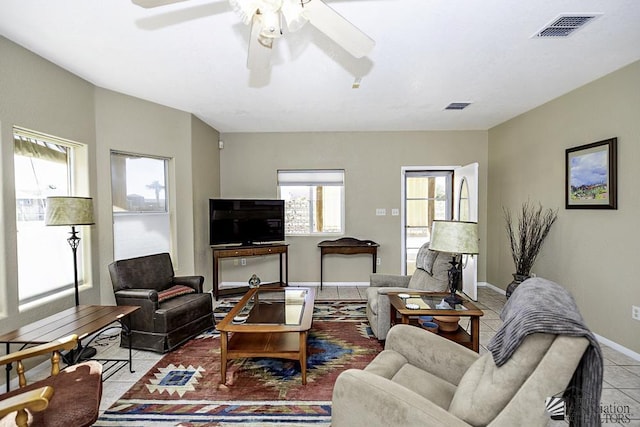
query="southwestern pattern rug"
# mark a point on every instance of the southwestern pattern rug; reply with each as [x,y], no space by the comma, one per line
[185,388]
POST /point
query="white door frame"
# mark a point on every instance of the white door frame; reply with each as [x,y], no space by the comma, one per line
[470,266]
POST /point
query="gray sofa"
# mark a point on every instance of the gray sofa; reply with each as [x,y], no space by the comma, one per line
[421,379]
[172,309]
[431,275]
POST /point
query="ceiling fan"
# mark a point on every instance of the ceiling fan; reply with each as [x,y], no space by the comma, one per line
[265,18]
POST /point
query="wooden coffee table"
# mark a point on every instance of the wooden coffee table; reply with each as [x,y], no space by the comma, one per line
[466,309]
[277,323]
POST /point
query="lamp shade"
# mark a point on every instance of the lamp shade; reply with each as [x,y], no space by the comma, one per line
[68,210]
[458,237]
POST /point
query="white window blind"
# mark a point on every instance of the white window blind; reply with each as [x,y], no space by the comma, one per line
[314,201]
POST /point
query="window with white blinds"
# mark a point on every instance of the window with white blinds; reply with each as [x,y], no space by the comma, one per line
[314,201]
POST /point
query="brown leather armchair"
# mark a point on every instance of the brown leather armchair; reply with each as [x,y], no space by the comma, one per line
[173,309]
[69,397]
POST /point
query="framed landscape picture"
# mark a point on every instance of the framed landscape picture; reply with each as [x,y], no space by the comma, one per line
[591,176]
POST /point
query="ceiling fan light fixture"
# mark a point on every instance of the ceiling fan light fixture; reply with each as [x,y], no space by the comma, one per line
[271,25]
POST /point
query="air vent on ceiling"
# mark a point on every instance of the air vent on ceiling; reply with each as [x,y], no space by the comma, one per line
[565,25]
[457,106]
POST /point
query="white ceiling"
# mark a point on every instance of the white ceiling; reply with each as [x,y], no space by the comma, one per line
[429,53]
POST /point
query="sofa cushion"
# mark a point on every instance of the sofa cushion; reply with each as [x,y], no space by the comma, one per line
[421,280]
[145,272]
[425,384]
[426,258]
[177,312]
[174,291]
[485,389]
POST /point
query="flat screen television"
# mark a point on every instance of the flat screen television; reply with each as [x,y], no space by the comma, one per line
[245,221]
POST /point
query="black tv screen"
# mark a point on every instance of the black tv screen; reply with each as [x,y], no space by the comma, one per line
[245,221]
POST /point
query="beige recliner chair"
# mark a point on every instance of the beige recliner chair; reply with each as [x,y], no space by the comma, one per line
[422,379]
[431,275]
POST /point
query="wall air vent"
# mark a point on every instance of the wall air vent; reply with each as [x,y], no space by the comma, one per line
[457,106]
[565,25]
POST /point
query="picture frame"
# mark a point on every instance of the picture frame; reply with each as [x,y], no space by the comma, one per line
[591,175]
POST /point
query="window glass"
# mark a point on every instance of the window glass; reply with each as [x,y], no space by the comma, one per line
[314,201]
[427,198]
[45,265]
[141,223]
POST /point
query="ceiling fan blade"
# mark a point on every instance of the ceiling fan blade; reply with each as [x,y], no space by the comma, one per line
[148,4]
[293,15]
[338,29]
[260,47]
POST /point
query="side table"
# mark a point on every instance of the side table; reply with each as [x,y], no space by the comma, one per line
[348,246]
[466,309]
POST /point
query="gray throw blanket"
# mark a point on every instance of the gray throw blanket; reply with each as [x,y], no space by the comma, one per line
[541,306]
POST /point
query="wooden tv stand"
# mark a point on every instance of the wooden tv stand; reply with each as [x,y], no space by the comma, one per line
[220,252]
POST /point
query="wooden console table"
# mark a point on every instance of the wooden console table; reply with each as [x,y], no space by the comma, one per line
[347,246]
[220,252]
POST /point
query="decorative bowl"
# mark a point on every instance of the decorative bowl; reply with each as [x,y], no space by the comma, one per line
[447,323]
[430,326]
[423,319]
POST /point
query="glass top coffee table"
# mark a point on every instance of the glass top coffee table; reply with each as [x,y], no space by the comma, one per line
[430,304]
[268,322]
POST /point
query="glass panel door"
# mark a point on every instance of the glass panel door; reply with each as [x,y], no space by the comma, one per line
[427,198]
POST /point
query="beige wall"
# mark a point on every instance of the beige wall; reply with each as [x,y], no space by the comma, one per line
[590,252]
[372,164]
[132,125]
[38,95]
[205,161]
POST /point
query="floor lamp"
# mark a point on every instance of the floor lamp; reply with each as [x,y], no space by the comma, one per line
[71,211]
[458,238]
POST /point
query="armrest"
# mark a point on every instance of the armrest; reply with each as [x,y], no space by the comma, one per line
[364,399]
[194,282]
[53,348]
[67,343]
[34,400]
[146,299]
[389,280]
[139,297]
[430,352]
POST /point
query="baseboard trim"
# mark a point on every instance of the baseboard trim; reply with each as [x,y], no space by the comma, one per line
[228,285]
[624,350]
[493,287]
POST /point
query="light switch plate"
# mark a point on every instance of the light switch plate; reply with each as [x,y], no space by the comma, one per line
[381,211]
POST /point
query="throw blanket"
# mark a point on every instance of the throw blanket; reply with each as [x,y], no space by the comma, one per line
[539,305]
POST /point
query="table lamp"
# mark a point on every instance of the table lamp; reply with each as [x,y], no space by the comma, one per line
[457,238]
[73,211]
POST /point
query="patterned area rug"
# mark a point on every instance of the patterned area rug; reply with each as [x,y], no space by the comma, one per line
[185,388]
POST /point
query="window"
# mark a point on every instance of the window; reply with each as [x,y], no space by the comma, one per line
[427,198]
[43,167]
[141,223]
[313,201]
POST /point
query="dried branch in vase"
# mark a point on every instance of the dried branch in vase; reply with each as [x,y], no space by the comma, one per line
[526,240]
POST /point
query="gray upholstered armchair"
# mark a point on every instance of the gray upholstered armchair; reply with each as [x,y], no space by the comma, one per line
[172,309]
[422,379]
[431,275]
[541,358]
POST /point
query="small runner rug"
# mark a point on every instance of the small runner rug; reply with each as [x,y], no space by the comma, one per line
[184,388]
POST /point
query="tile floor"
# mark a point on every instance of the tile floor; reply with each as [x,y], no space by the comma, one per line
[621,389]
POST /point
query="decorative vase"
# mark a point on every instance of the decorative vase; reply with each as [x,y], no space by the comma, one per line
[517,279]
